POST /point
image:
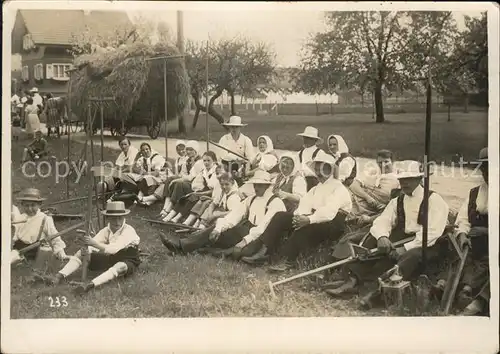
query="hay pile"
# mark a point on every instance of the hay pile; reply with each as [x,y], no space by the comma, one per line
[135,84]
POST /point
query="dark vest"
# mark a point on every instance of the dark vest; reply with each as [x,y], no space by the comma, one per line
[313,155]
[273,197]
[348,181]
[401,217]
[475,218]
[190,163]
[288,188]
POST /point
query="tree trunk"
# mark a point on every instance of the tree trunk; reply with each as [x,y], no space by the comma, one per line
[211,111]
[449,112]
[362,99]
[195,119]
[233,108]
[466,103]
[181,124]
[379,104]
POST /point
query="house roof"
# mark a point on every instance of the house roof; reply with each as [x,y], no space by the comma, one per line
[58,27]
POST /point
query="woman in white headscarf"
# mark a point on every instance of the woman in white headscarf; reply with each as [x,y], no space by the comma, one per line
[151,166]
[182,186]
[346,163]
[266,158]
[290,184]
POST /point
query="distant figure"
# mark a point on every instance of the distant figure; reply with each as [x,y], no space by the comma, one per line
[36,149]
[32,120]
[54,113]
[16,125]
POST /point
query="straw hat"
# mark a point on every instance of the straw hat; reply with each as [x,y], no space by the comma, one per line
[115,208]
[260,177]
[34,89]
[234,121]
[413,169]
[483,155]
[31,195]
[310,132]
[321,158]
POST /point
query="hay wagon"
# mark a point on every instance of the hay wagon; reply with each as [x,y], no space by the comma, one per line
[133,85]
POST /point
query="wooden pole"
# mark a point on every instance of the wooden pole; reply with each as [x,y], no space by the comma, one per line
[206,97]
[425,202]
[88,219]
[69,133]
[102,160]
[165,105]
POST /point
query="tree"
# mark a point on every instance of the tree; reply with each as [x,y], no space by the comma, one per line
[370,49]
[234,66]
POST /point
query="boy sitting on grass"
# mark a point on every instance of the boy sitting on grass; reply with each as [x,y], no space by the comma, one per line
[36,149]
[114,249]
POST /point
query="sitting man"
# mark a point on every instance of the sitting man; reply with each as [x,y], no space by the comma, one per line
[319,216]
[472,229]
[247,221]
[36,149]
[114,249]
[370,192]
[309,151]
[401,220]
[32,226]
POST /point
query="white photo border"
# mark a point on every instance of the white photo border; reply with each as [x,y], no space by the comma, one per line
[374,334]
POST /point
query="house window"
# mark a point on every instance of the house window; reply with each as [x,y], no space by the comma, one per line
[38,72]
[60,71]
[27,42]
[25,75]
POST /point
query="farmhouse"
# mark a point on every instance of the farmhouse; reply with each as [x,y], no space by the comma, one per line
[43,39]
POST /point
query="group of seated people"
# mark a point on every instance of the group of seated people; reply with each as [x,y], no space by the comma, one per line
[295,202]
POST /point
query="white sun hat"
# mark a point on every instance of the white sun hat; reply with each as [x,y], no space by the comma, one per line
[260,177]
[410,169]
[310,132]
[234,121]
[321,158]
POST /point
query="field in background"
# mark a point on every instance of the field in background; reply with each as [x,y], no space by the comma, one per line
[404,134]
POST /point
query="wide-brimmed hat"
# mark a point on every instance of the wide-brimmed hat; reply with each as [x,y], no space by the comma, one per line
[31,195]
[483,155]
[234,121]
[310,132]
[411,169]
[323,159]
[260,177]
[115,208]
[34,89]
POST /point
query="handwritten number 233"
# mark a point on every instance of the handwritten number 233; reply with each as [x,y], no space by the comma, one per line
[58,301]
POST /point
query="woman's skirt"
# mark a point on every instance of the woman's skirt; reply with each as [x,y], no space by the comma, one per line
[32,123]
[185,204]
[162,191]
[149,184]
[178,189]
[201,206]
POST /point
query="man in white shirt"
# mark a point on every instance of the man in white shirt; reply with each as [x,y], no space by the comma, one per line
[400,220]
[240,144]
[309,151]
[472,229]
[37,99]
[247,222]
[115,249]
[319,217]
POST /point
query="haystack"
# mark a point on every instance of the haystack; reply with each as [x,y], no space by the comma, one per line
[135,83]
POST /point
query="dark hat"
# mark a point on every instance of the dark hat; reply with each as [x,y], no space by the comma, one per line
[31,195]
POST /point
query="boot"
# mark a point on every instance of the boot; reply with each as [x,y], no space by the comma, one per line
[82,289]
[258,258]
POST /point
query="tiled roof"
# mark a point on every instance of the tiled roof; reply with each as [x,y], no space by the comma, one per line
[59,26]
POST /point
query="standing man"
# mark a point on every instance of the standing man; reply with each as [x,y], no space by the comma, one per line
[37,99]
[240,144]
[308,153]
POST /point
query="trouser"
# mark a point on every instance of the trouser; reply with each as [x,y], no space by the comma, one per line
[31,254]
[311,181]
[342,249]
[410,262]
[129,256]
[307,237]
[163,189]
[227,239]
[476,269]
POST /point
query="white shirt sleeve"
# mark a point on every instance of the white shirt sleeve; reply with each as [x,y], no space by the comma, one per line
[195,170]
[197,183]
[345,168]
[383,225]
[462,222]
[232,218]
[306,203]
[339,199]
[299,186]
[438,218]
[275,206]
[249,149]
[233,202]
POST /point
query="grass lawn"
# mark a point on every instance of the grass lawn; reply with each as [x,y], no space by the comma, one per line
[404,134]
[170,286]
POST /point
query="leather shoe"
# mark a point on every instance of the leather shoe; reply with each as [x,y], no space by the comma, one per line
[82,289]
[173,244]
[348,287]
[367,302]
[280,267]
[258,258]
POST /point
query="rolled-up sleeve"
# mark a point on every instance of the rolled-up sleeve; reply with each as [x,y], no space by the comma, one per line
[233,202]
[232,218]
[197,183]
[462,222]
[383,225]
[437,220]
[305,204]
[275,206]
[340,199]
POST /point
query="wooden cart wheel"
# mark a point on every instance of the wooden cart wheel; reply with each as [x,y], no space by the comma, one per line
[154,129]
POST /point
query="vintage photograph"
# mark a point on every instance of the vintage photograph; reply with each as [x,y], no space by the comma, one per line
[187,164]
